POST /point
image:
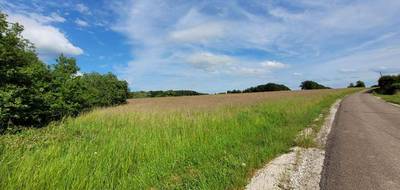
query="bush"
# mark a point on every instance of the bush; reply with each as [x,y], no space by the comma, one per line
[360,84]
[309,85]
[234,91]
[388,84]
[395,88]
[23,79]
[267,87]
[160,93]
[33,94]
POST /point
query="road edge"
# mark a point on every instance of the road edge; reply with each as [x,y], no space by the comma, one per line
[393,104]
[301,168]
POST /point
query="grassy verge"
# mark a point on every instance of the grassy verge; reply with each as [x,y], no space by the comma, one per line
[390,98]
[181,149]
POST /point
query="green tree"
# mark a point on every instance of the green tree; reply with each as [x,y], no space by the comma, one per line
[104,90]
[388,84]
[360,84]
[267,87]
[309,85]
[33,94]
[234,91]
[351,85]
[22,79]
[65,95]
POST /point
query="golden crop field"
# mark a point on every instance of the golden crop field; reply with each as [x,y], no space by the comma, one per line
[212,101]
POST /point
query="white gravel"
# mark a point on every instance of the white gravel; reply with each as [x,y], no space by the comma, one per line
[299,169]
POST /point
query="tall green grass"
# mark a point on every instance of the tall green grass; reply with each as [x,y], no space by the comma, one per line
[395,98]
[208,149]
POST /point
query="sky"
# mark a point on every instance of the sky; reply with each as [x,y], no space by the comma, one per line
[214,46]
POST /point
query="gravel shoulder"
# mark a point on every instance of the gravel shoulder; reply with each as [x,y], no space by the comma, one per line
[300,168]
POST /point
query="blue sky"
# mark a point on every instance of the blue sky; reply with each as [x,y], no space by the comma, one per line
[214,46]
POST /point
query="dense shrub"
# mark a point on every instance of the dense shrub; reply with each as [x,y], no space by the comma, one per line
[267,87]
[389,84]
[261,88]
[309,85]
[359,84]
[160,93]
[33,94]
[234,91]
[396,87]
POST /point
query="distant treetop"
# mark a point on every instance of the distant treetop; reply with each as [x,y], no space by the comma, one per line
[262,88]
[309,85]
[359,84]
[160,93]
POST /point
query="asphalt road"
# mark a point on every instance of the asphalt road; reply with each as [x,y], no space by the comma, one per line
[363,148]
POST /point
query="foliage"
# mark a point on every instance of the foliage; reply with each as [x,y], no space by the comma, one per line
[23,79]
[267,87]
[126,148]
[262,88]
[359,84]
[160,93]
[234,91]
[32,94]
[389,84]
[104,90]
[309,85]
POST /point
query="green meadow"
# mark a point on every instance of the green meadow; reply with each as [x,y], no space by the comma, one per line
[125,147]
[395,98]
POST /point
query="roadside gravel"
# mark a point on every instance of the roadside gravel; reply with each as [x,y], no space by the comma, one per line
[299,169]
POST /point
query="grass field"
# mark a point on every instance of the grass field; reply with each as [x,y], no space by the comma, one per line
[390,98]
[202,142]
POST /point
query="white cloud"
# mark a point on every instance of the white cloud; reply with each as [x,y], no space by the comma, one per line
[224,64]
[360,16]
[48,39]
[81,23]
[363,65]
[209,61]
[285,15]
[82,8]
[200,33]
[57,18]
[347,70]
[52,18]
[270,65]
[168,35]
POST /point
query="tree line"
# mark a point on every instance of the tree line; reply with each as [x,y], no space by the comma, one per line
[310,85]
[32,93]
[305,85]
[359,84]
[262,88]
[160,93]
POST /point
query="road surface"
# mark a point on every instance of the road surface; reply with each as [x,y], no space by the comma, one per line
[363,148]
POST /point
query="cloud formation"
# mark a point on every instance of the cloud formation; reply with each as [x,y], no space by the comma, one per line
[82,8]
[81,23]
[211,45]
[211,36]
[48,39]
